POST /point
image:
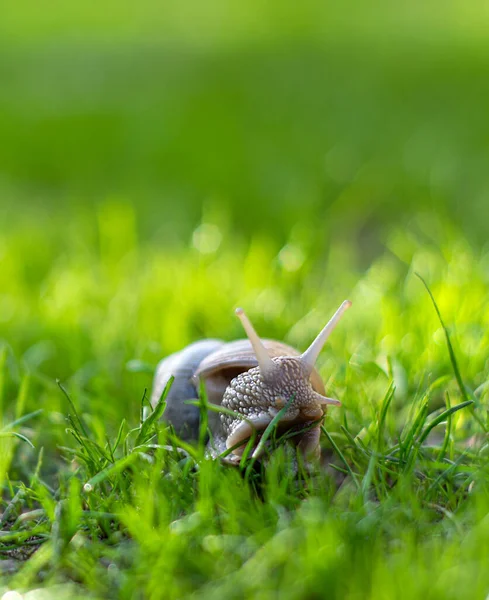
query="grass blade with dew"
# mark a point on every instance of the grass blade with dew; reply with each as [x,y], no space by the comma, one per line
[113,469]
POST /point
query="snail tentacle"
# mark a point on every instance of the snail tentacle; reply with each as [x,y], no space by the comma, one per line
[265,363]
[310,356]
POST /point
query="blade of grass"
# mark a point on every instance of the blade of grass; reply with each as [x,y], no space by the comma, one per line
[3,364]
[341,457]
[119,436]
[17,435]
[367,479]
[226,411]
[113,469]
[416,426]
[17,500]
[383,413]
[73,408]
[448,429]
[22,419]
[203,416]
[154,417]
[270,428]
[356,442]
[445,414]
[22,395]
[265,435]
[453,358]
[446,473]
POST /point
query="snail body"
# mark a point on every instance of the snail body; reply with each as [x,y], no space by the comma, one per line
[254,379]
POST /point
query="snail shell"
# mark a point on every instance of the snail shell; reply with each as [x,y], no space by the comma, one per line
[182,366]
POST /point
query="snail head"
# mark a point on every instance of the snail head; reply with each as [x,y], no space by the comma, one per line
[258,394]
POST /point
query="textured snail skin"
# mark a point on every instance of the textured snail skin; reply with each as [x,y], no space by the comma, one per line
[258,400]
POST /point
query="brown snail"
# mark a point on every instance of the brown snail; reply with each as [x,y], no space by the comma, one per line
[254,379]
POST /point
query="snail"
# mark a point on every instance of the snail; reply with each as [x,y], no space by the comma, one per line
[252,379]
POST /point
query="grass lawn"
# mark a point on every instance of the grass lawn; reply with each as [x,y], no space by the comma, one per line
[156,171]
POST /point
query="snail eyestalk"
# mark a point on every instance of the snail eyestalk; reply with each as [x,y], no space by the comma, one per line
[323,400]
[265,363]
[310,356]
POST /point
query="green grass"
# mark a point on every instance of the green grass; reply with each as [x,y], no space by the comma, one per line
[151,183]
[117,509]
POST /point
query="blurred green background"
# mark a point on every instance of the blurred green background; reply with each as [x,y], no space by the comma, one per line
[161,163]
[271,114]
